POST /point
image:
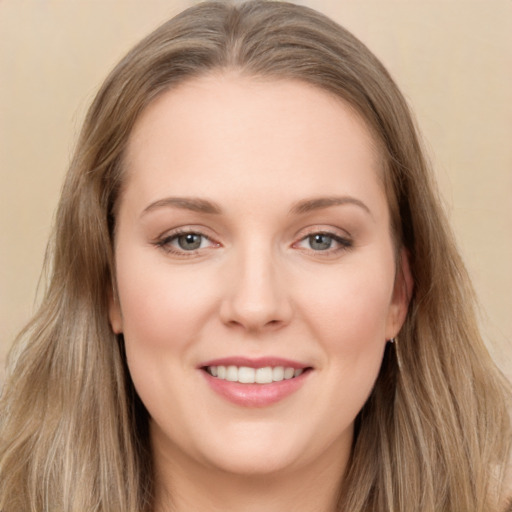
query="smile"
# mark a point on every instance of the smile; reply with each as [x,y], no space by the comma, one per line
[259,382]
[247,375]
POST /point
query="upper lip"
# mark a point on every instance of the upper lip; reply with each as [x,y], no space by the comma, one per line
[259,362]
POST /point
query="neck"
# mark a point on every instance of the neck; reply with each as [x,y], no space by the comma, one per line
[184,485]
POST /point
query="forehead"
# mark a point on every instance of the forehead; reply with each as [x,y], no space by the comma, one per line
[228,127]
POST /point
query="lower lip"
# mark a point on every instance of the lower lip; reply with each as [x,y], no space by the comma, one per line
[255,395]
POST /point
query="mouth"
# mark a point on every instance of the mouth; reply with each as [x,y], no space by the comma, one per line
[249,375]
[255,382]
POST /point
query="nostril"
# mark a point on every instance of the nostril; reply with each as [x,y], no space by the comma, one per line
[274,324]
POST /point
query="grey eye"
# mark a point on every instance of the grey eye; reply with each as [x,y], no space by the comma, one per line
[189,241]
[320,242]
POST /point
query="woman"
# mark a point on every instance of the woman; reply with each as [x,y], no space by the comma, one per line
[255,301]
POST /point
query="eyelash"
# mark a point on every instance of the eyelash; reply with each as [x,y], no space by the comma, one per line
[344,243]
[165,243]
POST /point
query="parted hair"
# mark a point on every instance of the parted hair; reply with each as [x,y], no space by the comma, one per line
[435,433]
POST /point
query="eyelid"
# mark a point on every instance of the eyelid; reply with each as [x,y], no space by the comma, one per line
[340,236]
[164,240]
[326,229]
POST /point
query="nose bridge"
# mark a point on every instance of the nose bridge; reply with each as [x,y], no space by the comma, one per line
[257,296]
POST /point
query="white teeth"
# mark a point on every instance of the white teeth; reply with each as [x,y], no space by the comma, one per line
[232,373]
[288,373]
[277,373]
[264,375]
[246,375]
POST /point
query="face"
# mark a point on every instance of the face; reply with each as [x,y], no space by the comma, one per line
[256,273]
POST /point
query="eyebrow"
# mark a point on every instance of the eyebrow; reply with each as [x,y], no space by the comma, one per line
[196,204]
[186,203]
[318,203]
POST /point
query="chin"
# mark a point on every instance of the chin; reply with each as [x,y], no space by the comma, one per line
[254,462]
[266,450]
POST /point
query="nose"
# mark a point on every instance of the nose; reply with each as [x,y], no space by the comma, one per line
[257,297]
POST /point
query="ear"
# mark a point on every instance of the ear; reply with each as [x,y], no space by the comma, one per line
[114,313]
[402,293]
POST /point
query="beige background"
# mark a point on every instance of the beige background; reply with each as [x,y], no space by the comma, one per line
[452,59]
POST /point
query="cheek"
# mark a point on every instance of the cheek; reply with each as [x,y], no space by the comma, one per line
[350,307]
[163,310]
[347,312]
[349,317]
[162,307]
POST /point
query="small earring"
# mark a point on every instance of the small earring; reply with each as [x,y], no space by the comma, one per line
[391,340]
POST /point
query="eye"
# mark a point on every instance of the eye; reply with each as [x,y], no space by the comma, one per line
[189,241]
[324,242]
[320,241]
[185,242]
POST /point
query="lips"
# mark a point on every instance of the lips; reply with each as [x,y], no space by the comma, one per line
[254,382]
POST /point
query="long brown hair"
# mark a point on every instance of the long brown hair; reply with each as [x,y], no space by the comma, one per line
[435,433]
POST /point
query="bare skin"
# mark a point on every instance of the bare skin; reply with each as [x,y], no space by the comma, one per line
[253,227]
